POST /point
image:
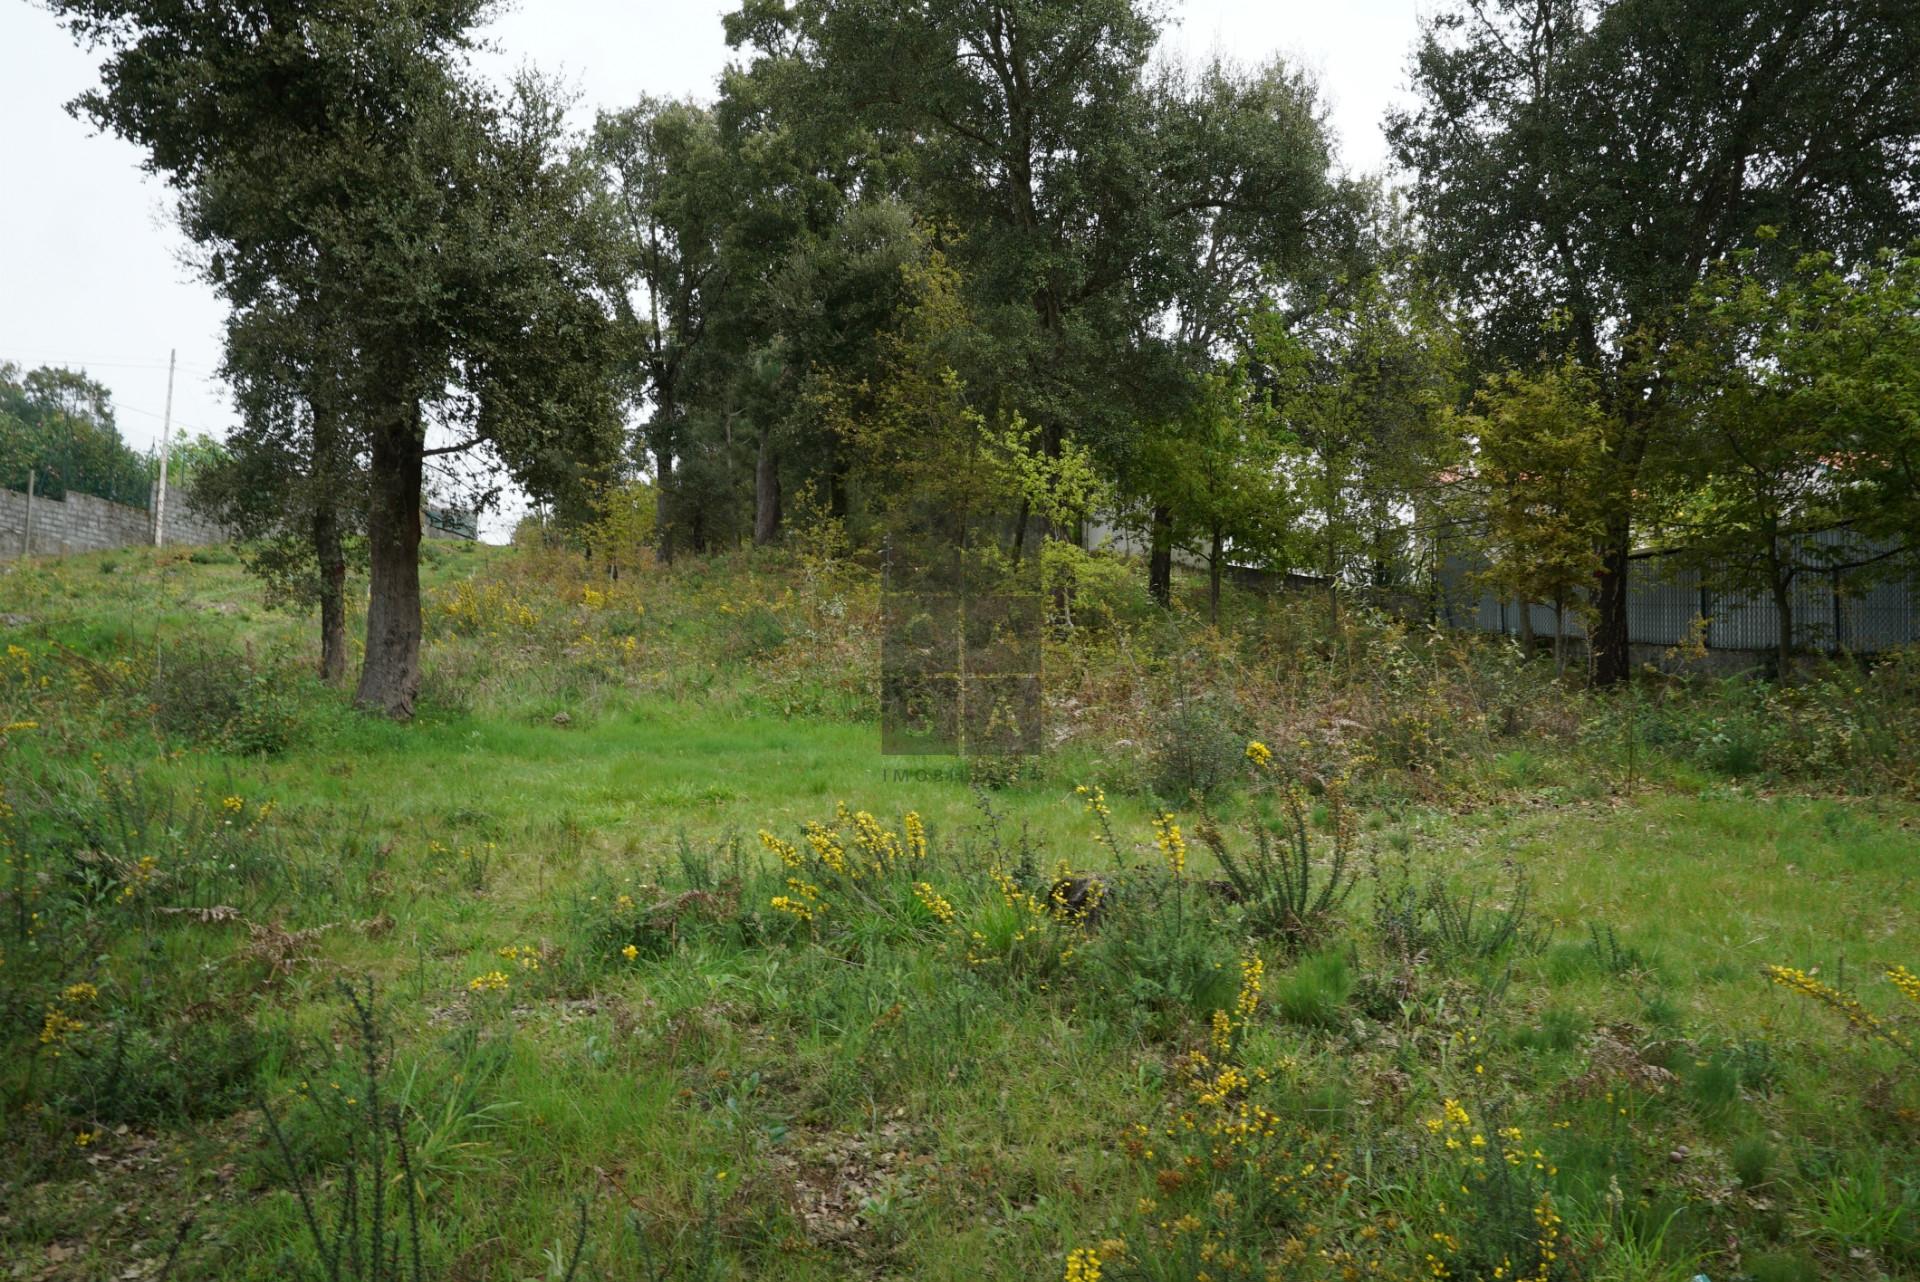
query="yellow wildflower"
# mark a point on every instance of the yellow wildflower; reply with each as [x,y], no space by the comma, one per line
[934,903]
[1251,971]
[1083,1265]
[1173,847]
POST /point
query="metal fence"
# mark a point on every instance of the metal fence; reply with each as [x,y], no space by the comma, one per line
[1850,595]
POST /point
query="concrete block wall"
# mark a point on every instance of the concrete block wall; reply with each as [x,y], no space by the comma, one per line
[83,523]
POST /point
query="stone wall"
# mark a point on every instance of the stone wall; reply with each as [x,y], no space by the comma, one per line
[83,523]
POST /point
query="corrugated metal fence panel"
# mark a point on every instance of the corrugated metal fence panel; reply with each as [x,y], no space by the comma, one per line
[1489,617]
[1879,617]
[1662,603]
[1742,623]
[1813,610]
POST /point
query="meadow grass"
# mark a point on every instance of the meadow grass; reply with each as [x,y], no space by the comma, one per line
[879,1092]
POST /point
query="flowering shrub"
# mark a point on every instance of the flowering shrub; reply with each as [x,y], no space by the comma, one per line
[857,864]
[95,868]
[1495,1188]
[1282,891]
[1850,1008]
[1237,1189]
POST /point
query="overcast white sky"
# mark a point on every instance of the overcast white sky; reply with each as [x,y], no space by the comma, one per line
[90,270]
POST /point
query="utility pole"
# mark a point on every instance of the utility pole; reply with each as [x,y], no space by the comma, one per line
[166,437]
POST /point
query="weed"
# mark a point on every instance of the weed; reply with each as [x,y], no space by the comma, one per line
[1606,951]
[1282,891]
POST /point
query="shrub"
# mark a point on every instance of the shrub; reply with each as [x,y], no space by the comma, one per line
[1283,892]
[223,699]
[182,1069]
[1196,747]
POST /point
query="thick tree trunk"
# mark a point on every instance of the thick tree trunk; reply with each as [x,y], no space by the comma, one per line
[766,493]
[1160,556]
[1559,636]
[390,674]
[1608,638]
[837,488]
[1783,606]
[1526,627]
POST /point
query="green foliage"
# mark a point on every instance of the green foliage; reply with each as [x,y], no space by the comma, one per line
[1542,458]
[1579,168]
[139,1075]
[58,424]
[743,1062]
[1197,747]
[216,697]
[1283,890]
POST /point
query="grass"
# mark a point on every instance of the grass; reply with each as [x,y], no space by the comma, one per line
[878,1092]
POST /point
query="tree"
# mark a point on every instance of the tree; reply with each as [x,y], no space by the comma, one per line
[1590,160]
[1022,122]
[292,483]
[59,425]
[336,155]
[1242,159]
[1358,381]
[1540,442]
[1787,429]
[1857,352]
[668,183]
[1219,469]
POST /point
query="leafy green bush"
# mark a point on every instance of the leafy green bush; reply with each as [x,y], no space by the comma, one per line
[1196,748]
[219,698]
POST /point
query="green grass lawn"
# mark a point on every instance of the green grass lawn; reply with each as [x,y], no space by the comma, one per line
[1572,968]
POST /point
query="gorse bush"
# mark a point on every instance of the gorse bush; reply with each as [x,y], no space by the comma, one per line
[1282,890]
[1436,922]
[184,1069]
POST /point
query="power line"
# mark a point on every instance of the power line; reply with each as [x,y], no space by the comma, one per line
[208,373]
[178,422]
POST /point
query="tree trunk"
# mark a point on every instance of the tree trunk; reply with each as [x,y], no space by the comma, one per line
[1783,607]
[1559,636]
[663,504]
[838,468]
[329,553]
[332,558]
[1608,637]
[1526,627]
[1160,556]
[766,492]
[390,674]
[1216,552]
